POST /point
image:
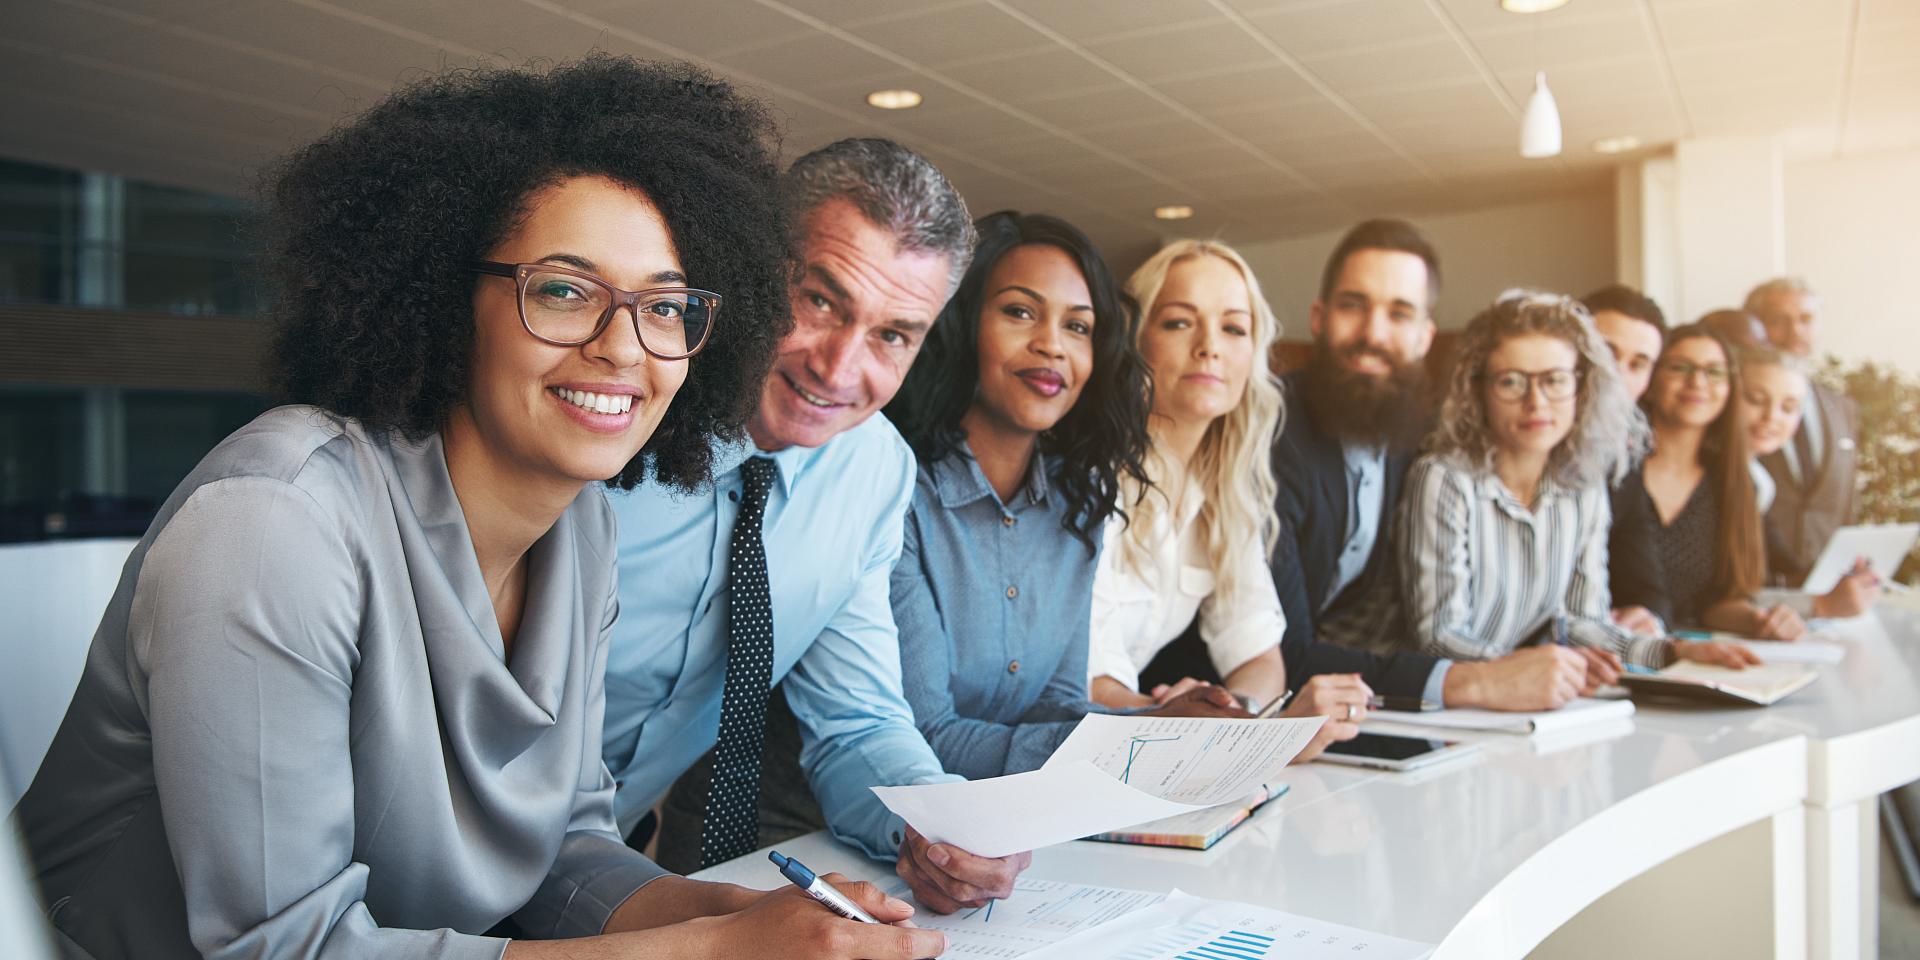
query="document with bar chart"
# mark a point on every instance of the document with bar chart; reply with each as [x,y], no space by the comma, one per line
[1040,912]
[1191,928]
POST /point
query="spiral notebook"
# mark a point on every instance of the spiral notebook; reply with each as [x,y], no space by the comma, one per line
[1197,830]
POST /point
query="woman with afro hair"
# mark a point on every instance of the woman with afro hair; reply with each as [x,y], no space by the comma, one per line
[347,698]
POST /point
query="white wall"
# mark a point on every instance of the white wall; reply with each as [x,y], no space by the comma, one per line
[1564,244]
[1853,231]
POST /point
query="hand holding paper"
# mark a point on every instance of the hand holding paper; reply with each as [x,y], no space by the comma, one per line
[1112,772]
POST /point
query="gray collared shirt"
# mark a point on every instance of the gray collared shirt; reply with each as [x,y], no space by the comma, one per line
[297,734]
[993,601]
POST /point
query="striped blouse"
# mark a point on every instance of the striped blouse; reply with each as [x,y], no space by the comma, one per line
[1484,574]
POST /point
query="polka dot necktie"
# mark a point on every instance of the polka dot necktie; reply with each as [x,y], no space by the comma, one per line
[733,801]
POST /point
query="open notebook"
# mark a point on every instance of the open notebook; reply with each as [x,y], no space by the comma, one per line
[1755,686]
[1579,713]
[1197,830]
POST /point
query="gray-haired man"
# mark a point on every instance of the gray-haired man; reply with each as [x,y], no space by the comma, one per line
[1813,474]
[779,573]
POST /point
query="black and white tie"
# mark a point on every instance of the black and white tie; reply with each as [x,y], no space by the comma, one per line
[733,801]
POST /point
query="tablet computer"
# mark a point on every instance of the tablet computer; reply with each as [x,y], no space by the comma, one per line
[1390,751]
[1884,545]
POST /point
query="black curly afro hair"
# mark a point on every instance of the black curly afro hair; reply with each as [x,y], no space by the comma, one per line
[371,229]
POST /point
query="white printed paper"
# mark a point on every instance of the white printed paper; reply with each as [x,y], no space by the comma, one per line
[1191,760]
[1181,927]
[1111,773]
[1040,912]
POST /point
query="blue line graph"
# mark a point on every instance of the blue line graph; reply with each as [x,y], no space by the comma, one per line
[1134,747]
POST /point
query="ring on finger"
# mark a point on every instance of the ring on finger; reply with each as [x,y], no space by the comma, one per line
[1350,712]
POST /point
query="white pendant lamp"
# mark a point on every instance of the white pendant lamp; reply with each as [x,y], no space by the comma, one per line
[1540,128]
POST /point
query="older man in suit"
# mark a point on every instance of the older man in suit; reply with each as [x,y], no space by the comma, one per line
[1813,474]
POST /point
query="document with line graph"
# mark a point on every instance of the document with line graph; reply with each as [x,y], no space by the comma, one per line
[1192,928]
[1193,760]
[1117,772]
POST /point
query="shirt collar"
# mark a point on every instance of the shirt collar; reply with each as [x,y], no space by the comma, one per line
[1491,489]
[958,480]
[789,464]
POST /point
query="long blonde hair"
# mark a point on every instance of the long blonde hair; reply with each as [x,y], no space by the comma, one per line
[1233,467]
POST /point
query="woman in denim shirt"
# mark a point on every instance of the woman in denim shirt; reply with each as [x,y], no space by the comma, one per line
[1026,406]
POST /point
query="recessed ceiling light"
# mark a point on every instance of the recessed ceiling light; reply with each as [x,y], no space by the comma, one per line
[1531,6]
[1173,213]
[893,99]
[1620,144]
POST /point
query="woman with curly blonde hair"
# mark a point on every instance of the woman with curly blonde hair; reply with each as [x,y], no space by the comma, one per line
[1195,538]
[1505,519]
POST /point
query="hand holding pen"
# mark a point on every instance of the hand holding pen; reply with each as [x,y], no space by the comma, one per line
[801,923]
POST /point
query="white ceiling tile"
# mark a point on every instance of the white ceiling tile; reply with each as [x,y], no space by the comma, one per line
[1303,119]
[1253,84]
[1469,100]
[1687,24]
[1350,171]
[1018,78]
[1090,110]
[1320,28]
[1151,137]
[1081,20]
[1422,62]
[927,37]
[1191,48]
[809,61]
[1474,16]
[1603,40]
[312,34]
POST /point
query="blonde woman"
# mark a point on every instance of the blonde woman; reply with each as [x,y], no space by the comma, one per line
[1504,523]
[1196,539]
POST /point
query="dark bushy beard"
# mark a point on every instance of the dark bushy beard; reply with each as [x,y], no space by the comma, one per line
[1361,409]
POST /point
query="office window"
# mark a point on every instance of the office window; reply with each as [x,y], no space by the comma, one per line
[38,211]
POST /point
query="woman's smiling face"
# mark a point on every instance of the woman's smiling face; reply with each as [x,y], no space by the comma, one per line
[580,413]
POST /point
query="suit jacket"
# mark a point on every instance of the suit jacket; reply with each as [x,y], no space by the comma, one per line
[1805,513]
[1311,471]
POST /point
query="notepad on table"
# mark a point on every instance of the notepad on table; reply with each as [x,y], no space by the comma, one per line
[1579,713]
[1197,830]
[1763,685]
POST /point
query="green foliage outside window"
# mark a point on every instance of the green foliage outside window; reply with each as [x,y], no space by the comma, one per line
[1889,445]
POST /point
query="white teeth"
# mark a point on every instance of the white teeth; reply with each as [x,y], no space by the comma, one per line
[607,403]
[810,398]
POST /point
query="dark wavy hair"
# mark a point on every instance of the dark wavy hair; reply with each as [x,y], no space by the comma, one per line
[1105,434]
[370,231]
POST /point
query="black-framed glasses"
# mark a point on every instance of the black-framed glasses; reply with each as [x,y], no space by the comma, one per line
[570,307]
[1683,371]
[1514,385]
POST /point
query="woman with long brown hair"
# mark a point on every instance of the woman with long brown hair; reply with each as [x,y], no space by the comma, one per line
[1697,483]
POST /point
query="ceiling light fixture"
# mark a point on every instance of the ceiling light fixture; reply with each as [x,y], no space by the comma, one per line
[1620,144]
[893,99]
[1540,127]
[1531,6]
[1173,212]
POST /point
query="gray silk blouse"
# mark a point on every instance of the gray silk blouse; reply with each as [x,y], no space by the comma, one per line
[296,734]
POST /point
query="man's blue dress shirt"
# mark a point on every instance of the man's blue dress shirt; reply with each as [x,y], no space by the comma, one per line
[832,532]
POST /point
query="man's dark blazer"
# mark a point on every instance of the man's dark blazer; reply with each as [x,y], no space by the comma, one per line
[1804,515]
[1311,471]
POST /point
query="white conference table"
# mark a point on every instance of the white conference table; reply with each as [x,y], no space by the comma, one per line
[1488,856]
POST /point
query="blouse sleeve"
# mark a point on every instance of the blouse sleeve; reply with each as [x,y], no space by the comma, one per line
[243,634]
[1107,622]
[595,871]
[1247,624]
[1436,561]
